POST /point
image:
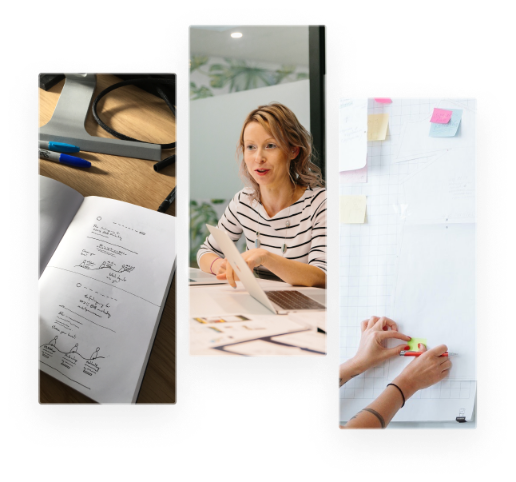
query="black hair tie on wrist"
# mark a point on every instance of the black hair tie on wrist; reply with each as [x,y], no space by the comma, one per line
[402,396]
[151,82]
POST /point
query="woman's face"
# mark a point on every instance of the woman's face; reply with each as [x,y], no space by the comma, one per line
[263,157]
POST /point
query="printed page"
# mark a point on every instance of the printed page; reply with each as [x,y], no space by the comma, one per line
[58,204]
[101,295]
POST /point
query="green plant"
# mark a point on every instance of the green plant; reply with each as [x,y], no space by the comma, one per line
[200,215]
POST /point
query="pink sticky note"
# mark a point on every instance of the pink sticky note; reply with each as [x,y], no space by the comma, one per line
[384,101]
[441,116]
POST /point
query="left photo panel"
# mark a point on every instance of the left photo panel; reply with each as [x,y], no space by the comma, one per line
[107,257]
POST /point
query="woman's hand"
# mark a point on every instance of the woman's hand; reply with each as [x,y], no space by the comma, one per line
[424,371]
[219,267]
[253,258]
[371,350]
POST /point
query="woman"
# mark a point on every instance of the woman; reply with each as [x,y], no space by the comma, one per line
[282,213]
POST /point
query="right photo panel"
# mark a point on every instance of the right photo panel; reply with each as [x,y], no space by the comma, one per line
[407,263]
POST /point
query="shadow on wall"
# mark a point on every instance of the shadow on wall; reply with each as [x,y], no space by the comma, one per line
[202,212]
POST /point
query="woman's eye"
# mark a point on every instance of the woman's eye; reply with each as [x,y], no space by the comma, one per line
[249,147]
[271,145]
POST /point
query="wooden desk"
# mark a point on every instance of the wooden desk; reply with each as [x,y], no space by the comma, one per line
[136,113]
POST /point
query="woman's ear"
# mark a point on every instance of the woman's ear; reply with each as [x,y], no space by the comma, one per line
[294,152]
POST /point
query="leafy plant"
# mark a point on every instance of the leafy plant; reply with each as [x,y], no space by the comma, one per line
[198,61]
[200,215]
[240,76]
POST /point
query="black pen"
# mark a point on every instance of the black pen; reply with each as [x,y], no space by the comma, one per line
[168,201]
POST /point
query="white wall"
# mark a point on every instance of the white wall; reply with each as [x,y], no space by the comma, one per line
[215,125]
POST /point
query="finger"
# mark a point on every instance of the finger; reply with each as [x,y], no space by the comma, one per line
[363,325]
[372,321]
[221,275]
[393,334]
[397,349]
[437,351]
[229,275]
[446,364]
[421,346]
[387,323]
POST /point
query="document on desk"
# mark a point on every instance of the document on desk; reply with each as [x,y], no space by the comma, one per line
[266,348]
[102,294]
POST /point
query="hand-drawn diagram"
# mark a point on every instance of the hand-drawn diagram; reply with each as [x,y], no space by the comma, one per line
[71,360]
[105,265]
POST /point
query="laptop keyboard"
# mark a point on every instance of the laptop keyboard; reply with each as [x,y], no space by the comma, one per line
[293,300]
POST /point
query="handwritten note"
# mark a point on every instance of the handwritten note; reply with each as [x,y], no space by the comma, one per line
[352,209]
[414,342]
[352,134]
[377,127]
[447,130]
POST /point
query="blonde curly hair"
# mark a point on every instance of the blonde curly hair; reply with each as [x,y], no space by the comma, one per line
[282,124]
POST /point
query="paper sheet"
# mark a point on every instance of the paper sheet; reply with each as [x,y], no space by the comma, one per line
[441,116]
[306,339]
[414,342]
[265,348]
[355,176]
[377,127]
[352,209]
[352,134]
[383,100]
[448,129]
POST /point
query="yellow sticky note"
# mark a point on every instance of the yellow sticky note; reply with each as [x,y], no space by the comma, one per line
[377,127]
[414,342]
[352,209]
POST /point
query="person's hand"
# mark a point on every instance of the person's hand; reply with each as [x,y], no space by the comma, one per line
[424,371]
[371,350]
[219,268]
[253,258]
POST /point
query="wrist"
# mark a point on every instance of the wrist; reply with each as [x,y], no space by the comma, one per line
[407,386]
[213,265]
[357,366]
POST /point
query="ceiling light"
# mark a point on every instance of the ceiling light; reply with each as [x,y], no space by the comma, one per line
[236,35]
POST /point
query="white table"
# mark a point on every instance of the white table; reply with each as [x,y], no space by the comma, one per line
[292,334]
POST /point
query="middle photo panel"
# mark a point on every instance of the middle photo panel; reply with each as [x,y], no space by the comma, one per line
[257,191]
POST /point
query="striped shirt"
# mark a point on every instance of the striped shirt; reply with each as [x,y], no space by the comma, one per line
[301,227]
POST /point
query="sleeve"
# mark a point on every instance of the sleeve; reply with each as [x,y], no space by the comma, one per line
[317,253]
[229,223]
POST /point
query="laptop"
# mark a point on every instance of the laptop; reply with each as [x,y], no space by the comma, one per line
[199,277]
[278,301]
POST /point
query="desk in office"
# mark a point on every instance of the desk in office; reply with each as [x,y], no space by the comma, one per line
[223,300]
[143,116]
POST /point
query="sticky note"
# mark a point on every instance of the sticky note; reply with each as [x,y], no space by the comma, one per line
[414,342]
[352,209]
[377,127]
[441,116]
[449,129]
[355,176]
[383,100]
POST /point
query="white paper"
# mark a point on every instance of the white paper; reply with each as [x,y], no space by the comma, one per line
[101,296]
[264,348]
[307,339]
[352,134]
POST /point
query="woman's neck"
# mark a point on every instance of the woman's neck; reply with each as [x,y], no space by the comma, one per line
[275,200]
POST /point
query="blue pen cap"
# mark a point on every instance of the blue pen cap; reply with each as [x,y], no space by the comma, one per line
[62,147]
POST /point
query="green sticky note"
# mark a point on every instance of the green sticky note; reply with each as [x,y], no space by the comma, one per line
[414,342]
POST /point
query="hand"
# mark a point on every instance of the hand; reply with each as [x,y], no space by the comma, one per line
[371,350]
[424,371]
[219,267]
[253,258]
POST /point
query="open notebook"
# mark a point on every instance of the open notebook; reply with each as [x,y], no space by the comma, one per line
[280,302]
[105,271]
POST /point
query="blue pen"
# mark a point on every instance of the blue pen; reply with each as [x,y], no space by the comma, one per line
[58,146]
[64,158]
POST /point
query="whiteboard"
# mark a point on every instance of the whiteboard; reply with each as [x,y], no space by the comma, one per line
[414,259]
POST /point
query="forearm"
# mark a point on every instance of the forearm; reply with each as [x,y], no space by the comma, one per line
[294,272]
[349,370]
[383,408]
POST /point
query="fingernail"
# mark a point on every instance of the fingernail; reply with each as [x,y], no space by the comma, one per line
[406,347]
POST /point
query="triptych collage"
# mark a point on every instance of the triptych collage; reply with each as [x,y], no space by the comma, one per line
[260,184]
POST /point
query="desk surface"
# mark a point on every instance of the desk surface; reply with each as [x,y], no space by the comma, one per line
[223,301]
[138,114]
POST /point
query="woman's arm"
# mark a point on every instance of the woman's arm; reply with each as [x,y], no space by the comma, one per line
[290,271]
[422,372]
[211,263]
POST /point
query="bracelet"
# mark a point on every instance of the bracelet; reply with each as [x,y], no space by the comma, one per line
[212,264]
[402,396]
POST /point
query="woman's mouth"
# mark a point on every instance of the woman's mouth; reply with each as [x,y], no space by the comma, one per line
[261,172]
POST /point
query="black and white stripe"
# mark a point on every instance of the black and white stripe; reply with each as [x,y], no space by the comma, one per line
[305,237]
